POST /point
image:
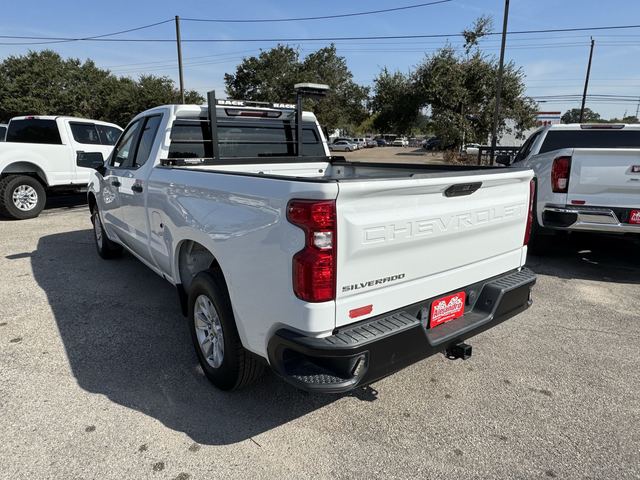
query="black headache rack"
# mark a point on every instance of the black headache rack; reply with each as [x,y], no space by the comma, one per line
[234,108]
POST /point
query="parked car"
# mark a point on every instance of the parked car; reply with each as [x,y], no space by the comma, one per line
[432,143]
[346,139]
[361,142]
[371,143]
[588,179]
[343,146]
[3,131]
[381,142]
[39,156]
[471,149]
[334,273]
[400,142]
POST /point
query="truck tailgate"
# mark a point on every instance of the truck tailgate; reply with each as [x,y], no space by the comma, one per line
[605,177]
[402,241]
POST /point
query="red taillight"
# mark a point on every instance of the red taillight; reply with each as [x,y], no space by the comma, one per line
[314,267]
[560,174]
[527,231]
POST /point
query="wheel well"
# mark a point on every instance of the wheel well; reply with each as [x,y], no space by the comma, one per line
[91,199]
[26,168]
[194,258]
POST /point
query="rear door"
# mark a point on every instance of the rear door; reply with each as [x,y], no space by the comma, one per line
[403,241]
[605,177]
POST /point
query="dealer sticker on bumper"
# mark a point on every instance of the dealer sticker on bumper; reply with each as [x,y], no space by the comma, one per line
[447,308]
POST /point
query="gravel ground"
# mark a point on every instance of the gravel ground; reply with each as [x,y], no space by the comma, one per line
[98,379]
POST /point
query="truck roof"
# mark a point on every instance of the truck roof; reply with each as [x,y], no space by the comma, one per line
[594,126]
[65,117]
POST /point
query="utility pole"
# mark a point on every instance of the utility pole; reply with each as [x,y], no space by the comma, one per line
[496,113]
[638,108]
[178,42]
[586,80]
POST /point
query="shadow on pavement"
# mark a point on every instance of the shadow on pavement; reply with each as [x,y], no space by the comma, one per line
[591,257]
[126,339]
[68,200]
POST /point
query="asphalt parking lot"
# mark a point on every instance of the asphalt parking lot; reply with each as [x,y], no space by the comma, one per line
[98,379]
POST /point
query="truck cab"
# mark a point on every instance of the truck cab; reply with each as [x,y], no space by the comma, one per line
[39,156]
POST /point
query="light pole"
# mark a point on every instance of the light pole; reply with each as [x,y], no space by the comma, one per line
[496,113]
[179,44]
[586,81]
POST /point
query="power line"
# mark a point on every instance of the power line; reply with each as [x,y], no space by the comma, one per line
[316,39]
[324,17]
[94,37]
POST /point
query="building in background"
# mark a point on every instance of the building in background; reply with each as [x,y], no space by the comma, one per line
[542,120]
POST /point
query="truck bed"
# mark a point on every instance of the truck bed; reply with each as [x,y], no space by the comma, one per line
[339,169]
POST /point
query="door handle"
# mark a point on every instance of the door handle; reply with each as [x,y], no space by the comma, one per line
[136,188]
[115,183]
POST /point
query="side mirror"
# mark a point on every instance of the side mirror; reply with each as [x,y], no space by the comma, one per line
[93,160]
[503,160]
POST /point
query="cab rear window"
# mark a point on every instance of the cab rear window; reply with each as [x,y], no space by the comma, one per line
[190,138]
[33,130]
[557,139]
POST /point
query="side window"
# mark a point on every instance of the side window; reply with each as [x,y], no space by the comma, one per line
[147,137]
[33,130]
[526,148]
[108,135]
[85,133]
[124,151]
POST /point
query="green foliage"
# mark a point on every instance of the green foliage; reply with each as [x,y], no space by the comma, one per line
[43,83]
[394,102]
[271,75]
[481,27]
[573,116]
[459,93]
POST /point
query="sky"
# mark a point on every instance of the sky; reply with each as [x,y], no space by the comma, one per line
[553,63]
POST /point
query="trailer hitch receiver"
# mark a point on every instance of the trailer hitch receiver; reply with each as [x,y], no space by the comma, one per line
[459,350]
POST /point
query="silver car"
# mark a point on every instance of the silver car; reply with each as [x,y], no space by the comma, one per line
[343,146]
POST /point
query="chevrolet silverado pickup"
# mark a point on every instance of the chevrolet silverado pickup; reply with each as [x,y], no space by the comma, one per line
[587,179]
[39,155]
[333,273]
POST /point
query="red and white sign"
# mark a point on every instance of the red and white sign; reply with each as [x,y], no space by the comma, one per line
[447,308]
[634,217]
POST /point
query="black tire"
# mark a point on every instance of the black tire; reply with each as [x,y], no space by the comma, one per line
[348,149]
[238,367]
[31,196]
[105,247]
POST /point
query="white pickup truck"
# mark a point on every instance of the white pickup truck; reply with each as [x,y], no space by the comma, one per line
[334,273]
[587,179]
[40,154]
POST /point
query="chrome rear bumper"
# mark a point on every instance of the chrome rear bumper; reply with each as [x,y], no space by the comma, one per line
[597,219]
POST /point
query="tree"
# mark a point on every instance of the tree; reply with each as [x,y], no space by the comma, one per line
[271,75]
[394,102]
[573,116]
[460,93]
[43,83]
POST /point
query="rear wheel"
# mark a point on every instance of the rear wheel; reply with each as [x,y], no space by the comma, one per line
[105,247]
[21,197]
[213,331]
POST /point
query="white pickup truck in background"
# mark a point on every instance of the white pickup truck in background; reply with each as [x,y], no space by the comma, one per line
[587,179]
[334,273]
[39,154]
